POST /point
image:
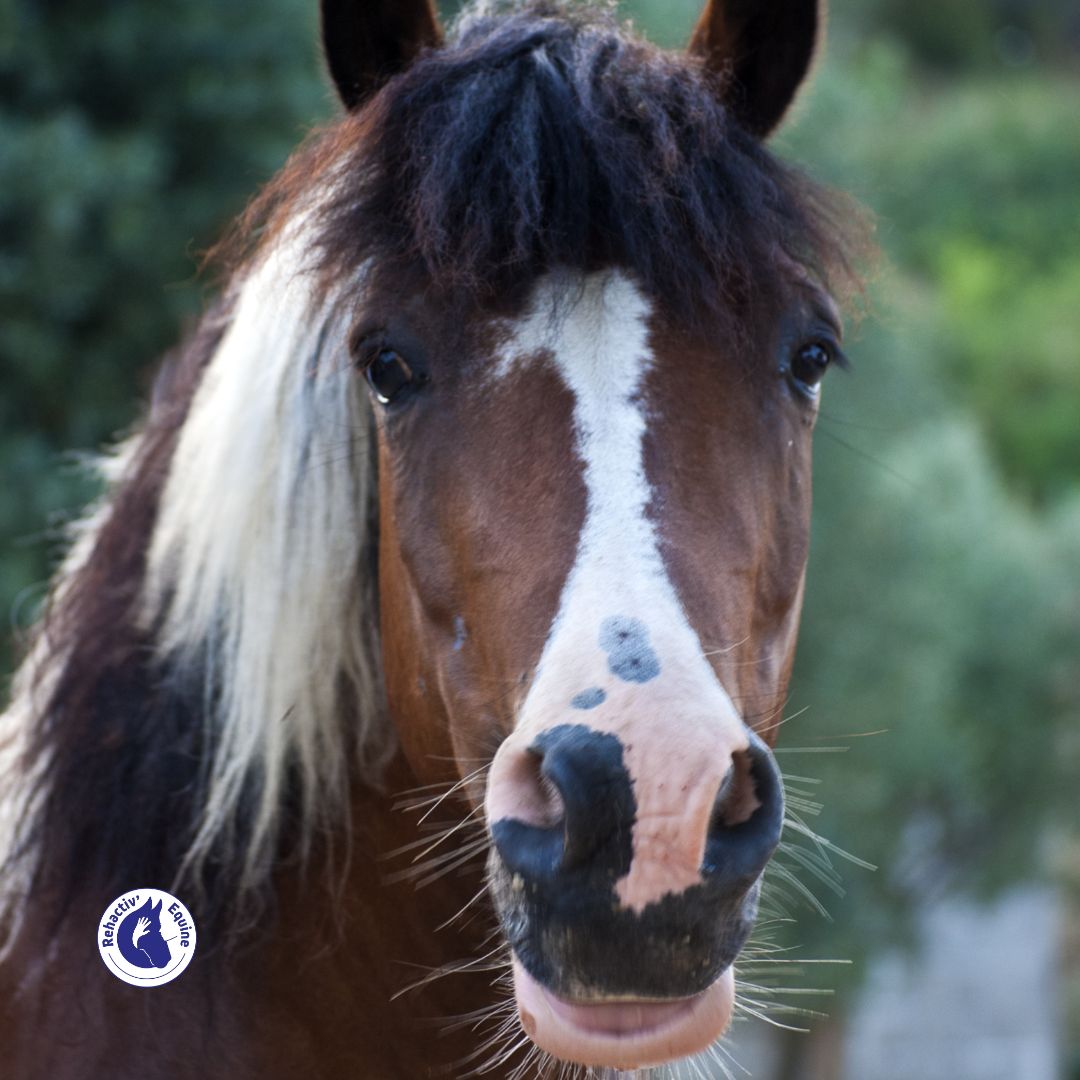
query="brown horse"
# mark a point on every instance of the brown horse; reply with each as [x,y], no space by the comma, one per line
[485,489]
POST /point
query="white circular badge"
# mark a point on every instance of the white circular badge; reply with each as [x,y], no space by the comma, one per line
[146,937]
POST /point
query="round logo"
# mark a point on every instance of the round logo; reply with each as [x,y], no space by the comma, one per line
[146,937]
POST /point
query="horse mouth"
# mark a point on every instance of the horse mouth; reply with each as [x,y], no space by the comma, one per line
[625,1033]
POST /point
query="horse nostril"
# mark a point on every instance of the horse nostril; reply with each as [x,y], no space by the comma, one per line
[747,816]
[560,800]
[737,798]
[537,801]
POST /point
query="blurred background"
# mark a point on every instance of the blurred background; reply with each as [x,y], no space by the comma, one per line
[932,728]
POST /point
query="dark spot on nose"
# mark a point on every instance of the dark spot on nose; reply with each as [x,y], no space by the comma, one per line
[630,656]
[588,699]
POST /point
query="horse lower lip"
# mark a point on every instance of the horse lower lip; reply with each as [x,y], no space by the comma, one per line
[624,1034]
[620,1017]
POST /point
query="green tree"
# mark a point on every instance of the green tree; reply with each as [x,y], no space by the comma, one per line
[934,705]
[131,133]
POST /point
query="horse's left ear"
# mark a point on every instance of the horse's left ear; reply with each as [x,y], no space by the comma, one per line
[763,50]
[368,41]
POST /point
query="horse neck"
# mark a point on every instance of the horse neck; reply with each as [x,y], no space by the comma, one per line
[355,952]
[310,993]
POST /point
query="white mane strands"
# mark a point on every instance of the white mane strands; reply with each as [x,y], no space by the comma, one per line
[255,580]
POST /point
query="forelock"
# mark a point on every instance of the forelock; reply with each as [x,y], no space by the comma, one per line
[548,136]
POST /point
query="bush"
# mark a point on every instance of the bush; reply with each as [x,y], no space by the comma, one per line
[132,132]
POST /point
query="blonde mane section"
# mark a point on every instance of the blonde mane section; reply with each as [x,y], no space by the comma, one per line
[256,576]
[259,591]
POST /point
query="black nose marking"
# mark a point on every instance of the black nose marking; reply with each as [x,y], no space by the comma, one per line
[630,656]
[592,842]
[554,884]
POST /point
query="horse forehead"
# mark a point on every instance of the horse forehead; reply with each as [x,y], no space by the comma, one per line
[595,332]
[594,329]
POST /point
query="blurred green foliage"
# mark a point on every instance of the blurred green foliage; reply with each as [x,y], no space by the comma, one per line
[130,134]
[958,36]
[943,605]
[975,185]
[943,602]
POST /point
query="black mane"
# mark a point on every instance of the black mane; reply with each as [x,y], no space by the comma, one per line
[550,136]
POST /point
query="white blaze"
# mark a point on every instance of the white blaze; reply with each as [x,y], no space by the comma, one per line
[679,728]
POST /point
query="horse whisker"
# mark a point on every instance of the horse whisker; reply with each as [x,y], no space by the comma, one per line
[801,827]
[447,789]
[475,838]
[482,846]
[758,1015]
[444,833]
[727,648]
[457,967]
[811,749]
[465,907]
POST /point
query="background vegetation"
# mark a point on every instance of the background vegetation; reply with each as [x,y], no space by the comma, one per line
[944,600]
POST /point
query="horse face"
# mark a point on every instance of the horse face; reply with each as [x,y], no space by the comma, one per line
[594,535]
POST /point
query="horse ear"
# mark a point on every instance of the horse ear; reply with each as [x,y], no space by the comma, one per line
[763,49]
[156,908]
[368,41]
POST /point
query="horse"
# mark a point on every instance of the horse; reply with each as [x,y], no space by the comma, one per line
[431,638]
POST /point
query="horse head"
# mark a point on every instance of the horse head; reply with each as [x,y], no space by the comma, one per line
[595,482]
[488,473]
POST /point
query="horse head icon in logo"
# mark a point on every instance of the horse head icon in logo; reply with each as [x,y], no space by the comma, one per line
[139,937]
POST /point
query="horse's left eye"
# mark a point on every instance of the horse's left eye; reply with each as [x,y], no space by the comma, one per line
[809,364]
[389,375]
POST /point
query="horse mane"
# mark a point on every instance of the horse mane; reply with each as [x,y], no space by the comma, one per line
[203,687]
[547,135]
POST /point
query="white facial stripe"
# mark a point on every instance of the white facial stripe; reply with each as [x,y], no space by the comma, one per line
[600,348]
[678,727]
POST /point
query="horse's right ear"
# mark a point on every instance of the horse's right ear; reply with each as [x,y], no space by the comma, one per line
[762,49]
[367,42]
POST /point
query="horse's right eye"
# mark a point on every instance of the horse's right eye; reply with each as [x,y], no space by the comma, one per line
[388,374]
[809,362]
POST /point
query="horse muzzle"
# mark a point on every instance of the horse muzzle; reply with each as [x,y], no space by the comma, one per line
[614,974]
